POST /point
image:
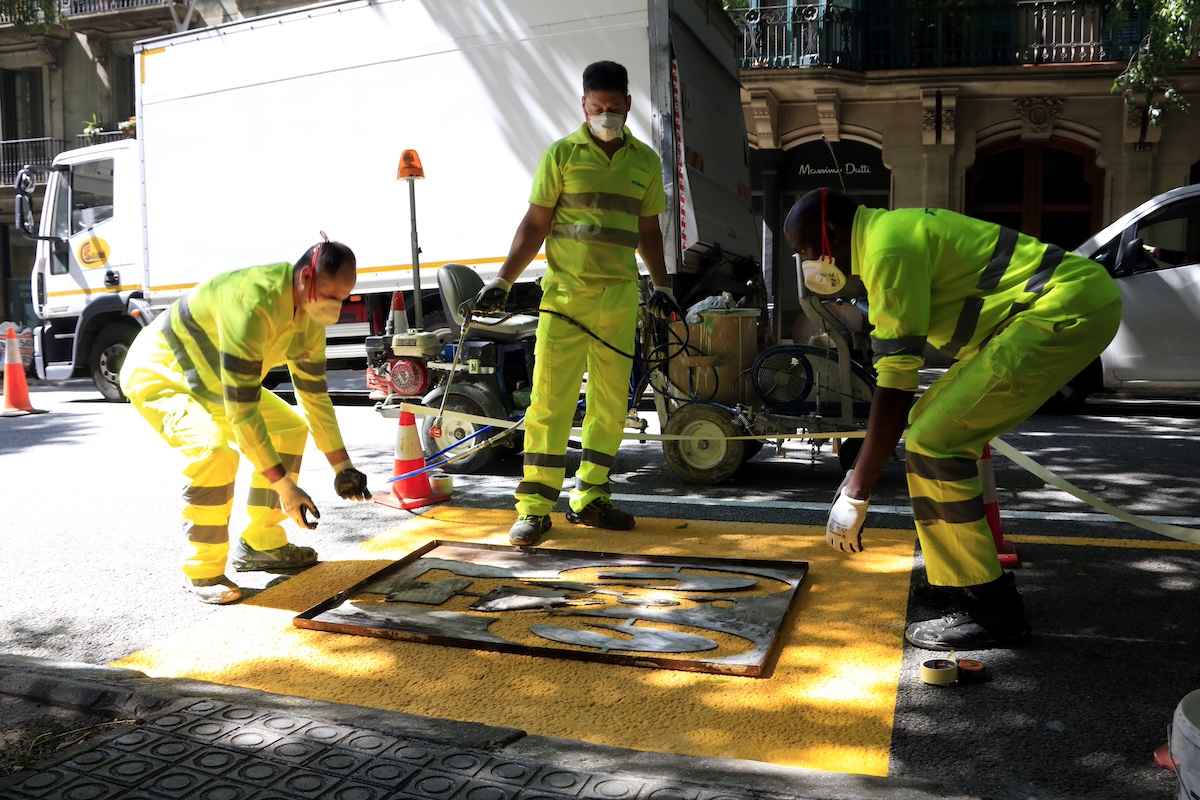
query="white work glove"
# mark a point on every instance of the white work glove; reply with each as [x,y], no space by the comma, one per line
[662,304]
[846,519]
[492,296]
[295,502]
[349,483]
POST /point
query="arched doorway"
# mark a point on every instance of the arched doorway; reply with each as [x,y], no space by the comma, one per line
[1051,189]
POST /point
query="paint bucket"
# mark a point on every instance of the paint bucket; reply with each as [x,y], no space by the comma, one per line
[1184,736]
[441,483]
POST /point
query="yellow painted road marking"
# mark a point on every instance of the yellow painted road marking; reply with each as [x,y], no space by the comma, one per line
[827,703]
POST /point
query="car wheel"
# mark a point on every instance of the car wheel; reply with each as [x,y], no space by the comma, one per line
[1069,399]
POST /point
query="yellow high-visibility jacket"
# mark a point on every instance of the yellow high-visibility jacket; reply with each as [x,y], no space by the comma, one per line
[218,343]
[597,203]
[937,277]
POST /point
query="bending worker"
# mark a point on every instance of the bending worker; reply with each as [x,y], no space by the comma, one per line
[596,197]
[195,373]
[1018,316]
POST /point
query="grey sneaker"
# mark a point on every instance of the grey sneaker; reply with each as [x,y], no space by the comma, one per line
[527,530]
[217,591]
[290,556]
[601,513]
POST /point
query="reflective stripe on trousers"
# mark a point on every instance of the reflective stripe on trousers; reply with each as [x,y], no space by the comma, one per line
[563,353]
[1020,368]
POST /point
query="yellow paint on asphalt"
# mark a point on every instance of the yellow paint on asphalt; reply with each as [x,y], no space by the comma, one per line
[826,703]
[1087,541]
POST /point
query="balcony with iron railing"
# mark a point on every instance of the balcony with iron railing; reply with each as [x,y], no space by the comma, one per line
[15,154]
[928,37]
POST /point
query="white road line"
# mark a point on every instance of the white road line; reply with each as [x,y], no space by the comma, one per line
[505,492]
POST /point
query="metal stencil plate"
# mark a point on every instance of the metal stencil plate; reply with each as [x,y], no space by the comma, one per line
[667,612]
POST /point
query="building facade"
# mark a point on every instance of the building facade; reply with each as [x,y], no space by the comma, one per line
[55,81]
[1000,110]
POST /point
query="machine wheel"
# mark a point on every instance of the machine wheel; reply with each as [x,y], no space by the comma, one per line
[108,354]
[848,452]
[710,458]
[455,430]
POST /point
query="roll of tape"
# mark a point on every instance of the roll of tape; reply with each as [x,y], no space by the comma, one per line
[441,483]
[939,671]
[970,670]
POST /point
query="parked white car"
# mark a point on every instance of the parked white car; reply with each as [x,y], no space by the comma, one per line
[1154,254]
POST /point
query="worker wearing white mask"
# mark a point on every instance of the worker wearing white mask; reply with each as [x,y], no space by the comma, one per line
[1017,316]
[195,374]
[596,198]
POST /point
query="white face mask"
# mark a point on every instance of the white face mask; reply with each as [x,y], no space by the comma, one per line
[821,276]
[606,126]
[324,312]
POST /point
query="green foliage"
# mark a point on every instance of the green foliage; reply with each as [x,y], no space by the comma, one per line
[29,16]
[1173,35]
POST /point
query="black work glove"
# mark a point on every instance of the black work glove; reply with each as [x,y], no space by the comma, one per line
[493,296]
[350,484]
[662,303]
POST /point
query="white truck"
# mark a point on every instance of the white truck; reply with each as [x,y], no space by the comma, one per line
[255,136]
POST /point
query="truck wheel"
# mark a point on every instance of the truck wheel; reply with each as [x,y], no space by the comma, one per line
[109,349]
[710,457]
[455,430]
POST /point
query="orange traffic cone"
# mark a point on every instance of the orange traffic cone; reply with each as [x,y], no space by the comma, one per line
[991,506]
[16,392]
[412,491]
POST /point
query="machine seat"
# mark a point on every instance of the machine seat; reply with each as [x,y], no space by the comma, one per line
[459,283]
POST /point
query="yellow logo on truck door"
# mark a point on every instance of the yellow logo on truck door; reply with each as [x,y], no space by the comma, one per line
[93,253]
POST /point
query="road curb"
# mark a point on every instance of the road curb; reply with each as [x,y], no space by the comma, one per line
[128,694]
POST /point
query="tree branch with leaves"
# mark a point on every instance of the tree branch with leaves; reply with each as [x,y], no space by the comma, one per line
[1172,36]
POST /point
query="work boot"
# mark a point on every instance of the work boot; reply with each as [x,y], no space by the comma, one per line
[217,591]
[528,529]
[601,513]
[941,598]
[988,615]
[290,556]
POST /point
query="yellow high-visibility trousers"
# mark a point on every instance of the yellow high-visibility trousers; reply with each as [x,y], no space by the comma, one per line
[563,352]
[205,440]
[1018,369]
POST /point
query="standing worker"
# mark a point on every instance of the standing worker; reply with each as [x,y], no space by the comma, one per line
[1018,316]
[596,198]
[195,373]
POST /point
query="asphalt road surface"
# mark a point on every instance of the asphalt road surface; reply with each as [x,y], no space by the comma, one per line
[89,525]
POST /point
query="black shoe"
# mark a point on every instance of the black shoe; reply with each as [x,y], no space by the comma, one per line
[290,556]
[527,530]
[989,615]
[217,591]
[601,513]
[942,598]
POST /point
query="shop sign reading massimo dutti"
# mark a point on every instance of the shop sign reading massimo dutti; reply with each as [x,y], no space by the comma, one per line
[811,165]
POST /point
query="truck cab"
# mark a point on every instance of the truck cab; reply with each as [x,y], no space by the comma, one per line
[88,266]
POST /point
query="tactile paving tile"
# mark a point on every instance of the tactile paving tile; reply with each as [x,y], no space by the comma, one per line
[205,749]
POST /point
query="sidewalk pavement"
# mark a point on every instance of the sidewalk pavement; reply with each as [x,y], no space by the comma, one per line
[193,739]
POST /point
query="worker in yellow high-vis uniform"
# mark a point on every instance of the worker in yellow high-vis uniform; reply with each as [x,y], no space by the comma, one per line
[195,373]
[596,198]
[1018,316]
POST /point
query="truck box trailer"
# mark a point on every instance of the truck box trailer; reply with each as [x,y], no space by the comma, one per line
[255,136]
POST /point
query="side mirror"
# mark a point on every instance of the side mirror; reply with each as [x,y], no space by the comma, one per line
[23,210]
[1130,256]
